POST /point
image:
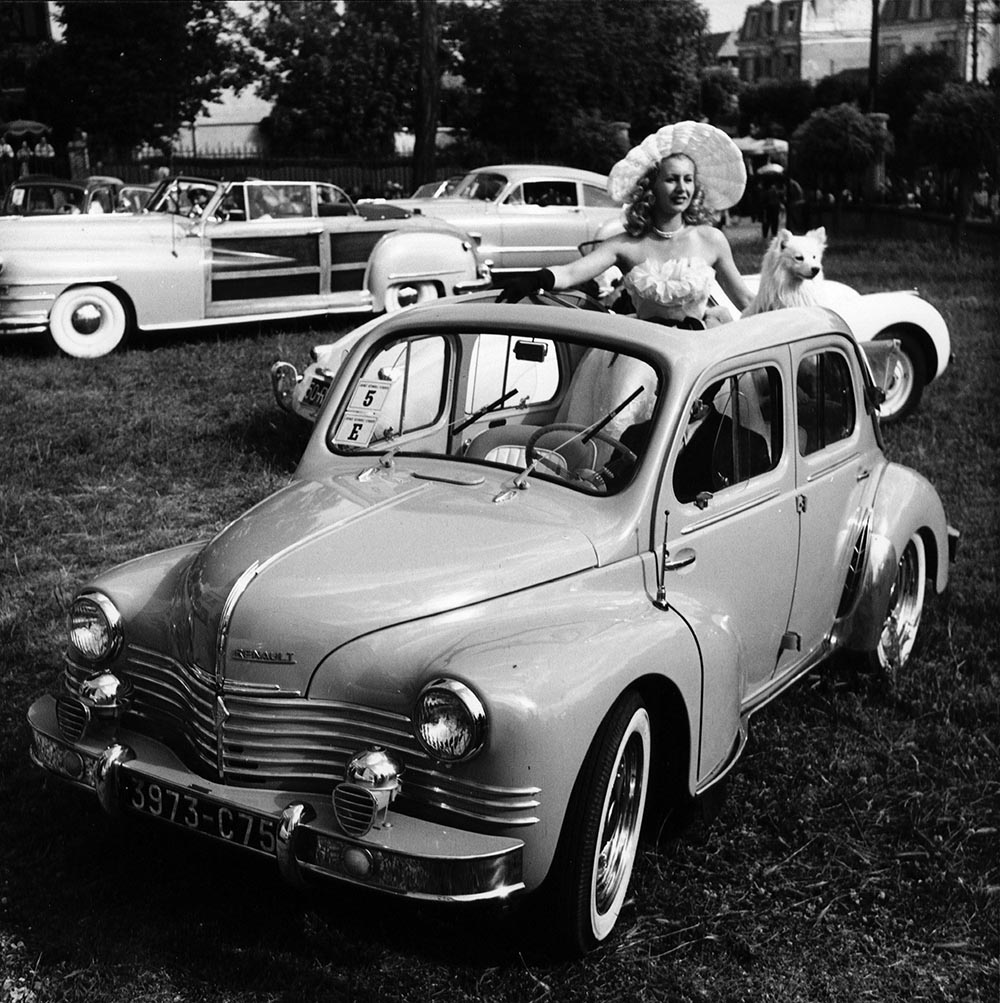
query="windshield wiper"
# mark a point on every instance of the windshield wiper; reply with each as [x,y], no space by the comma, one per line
[492,406]
[584,435]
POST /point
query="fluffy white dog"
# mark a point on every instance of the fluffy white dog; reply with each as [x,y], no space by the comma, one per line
[790,265]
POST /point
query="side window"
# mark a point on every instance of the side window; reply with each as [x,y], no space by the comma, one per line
[734,433]
[500,364]
[400,391]
[599,198]
[824,401]
[547,193]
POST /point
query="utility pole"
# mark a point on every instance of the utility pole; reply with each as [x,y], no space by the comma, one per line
[975,41]
[873,59]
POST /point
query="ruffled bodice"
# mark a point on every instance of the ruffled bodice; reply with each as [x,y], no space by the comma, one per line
[673,289]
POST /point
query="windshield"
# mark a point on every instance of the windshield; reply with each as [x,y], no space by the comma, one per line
[183,196]
[532,405]
[480,186]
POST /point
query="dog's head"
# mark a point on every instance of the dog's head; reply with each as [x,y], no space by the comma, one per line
[800,255]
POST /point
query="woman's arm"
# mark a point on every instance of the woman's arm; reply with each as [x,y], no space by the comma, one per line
[727,273]
[588,267]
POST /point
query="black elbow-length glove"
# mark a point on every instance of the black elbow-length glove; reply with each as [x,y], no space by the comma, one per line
[524,285]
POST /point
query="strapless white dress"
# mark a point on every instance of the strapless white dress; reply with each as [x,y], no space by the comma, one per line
[670,290]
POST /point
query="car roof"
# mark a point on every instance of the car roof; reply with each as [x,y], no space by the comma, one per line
[675,348]
[520,172]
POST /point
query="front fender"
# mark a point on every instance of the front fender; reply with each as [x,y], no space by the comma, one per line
[446,261]
[548,664]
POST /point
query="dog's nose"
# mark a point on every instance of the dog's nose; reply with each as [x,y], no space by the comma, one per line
[814,273]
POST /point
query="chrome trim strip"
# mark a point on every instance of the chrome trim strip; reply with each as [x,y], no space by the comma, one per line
[831,467]
[222,638]
[735,510]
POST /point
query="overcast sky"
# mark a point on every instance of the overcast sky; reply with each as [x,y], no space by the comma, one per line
[725,15]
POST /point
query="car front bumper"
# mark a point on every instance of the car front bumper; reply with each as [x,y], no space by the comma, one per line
[132,774]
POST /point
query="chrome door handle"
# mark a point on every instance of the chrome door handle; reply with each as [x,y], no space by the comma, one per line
[683,560]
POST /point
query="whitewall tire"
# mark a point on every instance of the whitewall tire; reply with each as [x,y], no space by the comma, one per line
[87,322]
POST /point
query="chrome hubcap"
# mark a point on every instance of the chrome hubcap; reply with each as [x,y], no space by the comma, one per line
[900,629]
[87,319]
[620,824]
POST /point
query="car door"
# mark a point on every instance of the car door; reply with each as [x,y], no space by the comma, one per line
[833,473]
[542,222]
[269,255]
[732,534]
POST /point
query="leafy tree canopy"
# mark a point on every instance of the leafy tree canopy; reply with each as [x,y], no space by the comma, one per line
[342,76]
[905,84]
[837,141]
[541,67]
[959,127]
[775,108]
[128,71]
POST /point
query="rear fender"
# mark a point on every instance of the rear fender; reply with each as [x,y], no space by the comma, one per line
[419,258]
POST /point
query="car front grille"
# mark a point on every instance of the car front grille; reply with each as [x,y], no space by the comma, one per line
[290,743]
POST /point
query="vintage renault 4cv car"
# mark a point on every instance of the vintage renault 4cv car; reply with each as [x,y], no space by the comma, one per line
[536,569]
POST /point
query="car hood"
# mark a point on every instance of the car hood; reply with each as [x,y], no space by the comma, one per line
[448,208]
[320,563]
[33,232]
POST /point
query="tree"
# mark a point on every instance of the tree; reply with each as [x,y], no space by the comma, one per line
[537,66]
[428,87]
[902,88]
[775,108]
[960,128]
[341,76]
[834,143]
[159,67]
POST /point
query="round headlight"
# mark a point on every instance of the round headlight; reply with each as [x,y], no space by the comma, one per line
[449,720]
[95,627]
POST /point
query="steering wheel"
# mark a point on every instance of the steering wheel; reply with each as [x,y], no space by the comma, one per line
[592,477]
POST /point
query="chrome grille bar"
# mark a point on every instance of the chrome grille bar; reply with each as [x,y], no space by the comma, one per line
[275,740]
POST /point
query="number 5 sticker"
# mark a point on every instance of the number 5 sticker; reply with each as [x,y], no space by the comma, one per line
[369,395]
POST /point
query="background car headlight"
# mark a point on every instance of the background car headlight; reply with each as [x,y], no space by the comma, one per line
[95,627]
[449,720]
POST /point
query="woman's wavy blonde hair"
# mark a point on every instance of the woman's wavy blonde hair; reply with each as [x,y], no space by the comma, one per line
[641,202]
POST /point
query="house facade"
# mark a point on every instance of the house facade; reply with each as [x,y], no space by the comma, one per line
[967,30]
[792,40]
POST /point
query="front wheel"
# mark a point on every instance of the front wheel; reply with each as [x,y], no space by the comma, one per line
[901,621]
[601,829]
[906,379]
[87,322]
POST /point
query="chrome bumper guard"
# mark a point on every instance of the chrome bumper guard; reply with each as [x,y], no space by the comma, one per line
[410,857]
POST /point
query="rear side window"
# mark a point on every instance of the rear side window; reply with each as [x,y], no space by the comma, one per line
[546,193]
[824,401]
[734,434]
[598,198]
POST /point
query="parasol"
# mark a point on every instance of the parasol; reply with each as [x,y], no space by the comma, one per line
[23,127]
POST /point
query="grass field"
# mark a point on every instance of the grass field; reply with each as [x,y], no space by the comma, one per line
[856,857]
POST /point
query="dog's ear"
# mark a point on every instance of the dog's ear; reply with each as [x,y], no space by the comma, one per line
[818,234]
[784,236]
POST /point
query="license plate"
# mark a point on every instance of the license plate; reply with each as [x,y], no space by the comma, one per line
[316,391]
[198,814]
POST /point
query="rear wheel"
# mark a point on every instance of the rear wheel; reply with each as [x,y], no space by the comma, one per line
[397,297]
[901,621]
[906,379]
[601,829]
[87,322]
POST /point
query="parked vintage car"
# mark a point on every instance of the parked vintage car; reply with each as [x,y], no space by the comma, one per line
[903,317]
[44,195]
[209,252]
[509,607]
[525,215]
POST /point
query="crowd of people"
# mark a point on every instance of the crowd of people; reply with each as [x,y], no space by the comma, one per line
[30,156]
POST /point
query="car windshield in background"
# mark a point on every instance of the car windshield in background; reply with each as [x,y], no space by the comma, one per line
[480,187]
[183,196]
[580,416]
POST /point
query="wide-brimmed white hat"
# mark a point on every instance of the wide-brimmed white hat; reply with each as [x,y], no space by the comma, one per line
[717,160]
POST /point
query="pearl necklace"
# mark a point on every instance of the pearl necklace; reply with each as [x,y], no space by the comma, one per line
[667,234]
